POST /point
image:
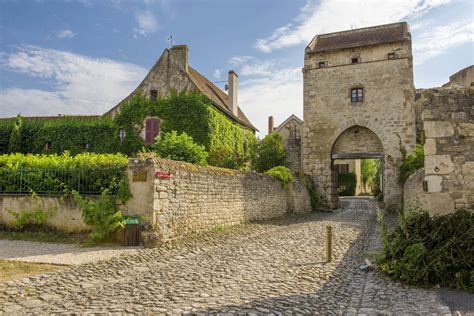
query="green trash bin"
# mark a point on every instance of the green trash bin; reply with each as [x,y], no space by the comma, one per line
[130,234]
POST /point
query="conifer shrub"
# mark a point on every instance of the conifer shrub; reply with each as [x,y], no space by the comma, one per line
[426,250]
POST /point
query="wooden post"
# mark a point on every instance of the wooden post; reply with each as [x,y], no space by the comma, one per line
[328,244]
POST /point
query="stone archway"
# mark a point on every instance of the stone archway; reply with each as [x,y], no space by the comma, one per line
[356,142]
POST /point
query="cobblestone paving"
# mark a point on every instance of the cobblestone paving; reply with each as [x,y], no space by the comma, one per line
[274,267]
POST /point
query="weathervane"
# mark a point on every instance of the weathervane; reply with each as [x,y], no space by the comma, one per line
[170,39]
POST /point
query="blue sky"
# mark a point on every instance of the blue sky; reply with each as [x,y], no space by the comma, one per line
[82,57]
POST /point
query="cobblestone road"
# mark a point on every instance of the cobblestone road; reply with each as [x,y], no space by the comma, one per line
[273,267]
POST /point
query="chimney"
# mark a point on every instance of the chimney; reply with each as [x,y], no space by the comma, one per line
[233,93]
[270,124]
[179,56]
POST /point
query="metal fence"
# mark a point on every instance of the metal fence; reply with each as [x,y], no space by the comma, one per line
[57,180]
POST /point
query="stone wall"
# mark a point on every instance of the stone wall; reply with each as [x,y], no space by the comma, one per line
[65,214]
[448,128]
[200,198]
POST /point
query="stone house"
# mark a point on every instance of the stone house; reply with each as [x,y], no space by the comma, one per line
[290,131]
[358,103]
[171,72]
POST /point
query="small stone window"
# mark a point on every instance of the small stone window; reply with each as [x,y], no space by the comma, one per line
[391,55]
[322,64]
[357,95]
[153,95]
[354,60]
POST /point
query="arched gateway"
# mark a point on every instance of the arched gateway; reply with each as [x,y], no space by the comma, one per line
[358,107]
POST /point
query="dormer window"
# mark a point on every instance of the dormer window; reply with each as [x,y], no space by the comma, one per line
[391,55]
[354,60]
[153,95]
[357,95]
[322,64]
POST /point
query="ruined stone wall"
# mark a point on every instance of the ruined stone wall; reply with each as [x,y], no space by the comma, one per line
[200,198]
[291,134]
[448,126]
[387,110]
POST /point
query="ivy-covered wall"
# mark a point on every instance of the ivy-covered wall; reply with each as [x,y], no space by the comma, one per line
[66,133]
[228,143]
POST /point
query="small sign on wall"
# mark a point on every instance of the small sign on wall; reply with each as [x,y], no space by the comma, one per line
[163,175]
[139,176]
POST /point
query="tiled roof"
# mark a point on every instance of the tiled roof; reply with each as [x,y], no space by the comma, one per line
[217,96]
[382,34]
[55,117]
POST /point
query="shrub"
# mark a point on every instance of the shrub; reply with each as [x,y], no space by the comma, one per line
[36,217]
[102,215]
[411,163]
[180,147]
[347,183]
[270,153]
[86,173]
[281,173]
[427,251]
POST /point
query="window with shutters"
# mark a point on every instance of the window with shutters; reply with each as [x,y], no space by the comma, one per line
[152,129]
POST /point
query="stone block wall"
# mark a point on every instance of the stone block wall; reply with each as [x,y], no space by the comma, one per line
[200,198]
[65,215]
[448,128]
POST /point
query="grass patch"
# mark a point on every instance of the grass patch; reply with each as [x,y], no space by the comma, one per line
[10,270]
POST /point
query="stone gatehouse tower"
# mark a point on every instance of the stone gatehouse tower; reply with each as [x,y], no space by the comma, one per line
[358,103]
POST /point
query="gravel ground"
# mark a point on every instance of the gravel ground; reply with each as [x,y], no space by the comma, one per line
[64,254]
[272,267]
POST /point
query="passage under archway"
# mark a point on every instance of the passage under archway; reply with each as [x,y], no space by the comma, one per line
[357,142]
[357,163]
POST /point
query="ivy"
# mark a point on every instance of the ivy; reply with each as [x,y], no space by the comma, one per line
[411,163]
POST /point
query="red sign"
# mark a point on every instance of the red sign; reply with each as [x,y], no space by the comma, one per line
[163,175]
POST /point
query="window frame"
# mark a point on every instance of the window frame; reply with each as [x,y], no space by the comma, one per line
[153,94]
[358,96]
[322,64]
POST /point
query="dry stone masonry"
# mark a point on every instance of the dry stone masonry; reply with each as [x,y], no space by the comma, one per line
[176,198]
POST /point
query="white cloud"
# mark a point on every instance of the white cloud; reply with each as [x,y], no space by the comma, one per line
[65,34]
[267,88]
[437,40]
[80,84]
[146,23]
[217,74]
[324,16]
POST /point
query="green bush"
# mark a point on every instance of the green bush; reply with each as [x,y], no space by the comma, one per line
[36,217]
[282,174]
[270,153]
[86,173]
[427,251]
[347,183]
[411,163]
[102,215]
[180,147]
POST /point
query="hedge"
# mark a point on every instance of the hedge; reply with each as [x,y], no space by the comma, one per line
[86,173]
[347,183]
[65,133]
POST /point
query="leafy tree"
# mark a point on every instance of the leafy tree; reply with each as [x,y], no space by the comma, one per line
[270,153]
[368,172]
[180,147]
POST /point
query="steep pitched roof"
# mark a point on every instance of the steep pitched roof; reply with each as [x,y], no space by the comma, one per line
[217,96]
[291,118]
[381,34]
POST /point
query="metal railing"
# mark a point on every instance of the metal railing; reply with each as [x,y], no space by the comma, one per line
[57,180]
